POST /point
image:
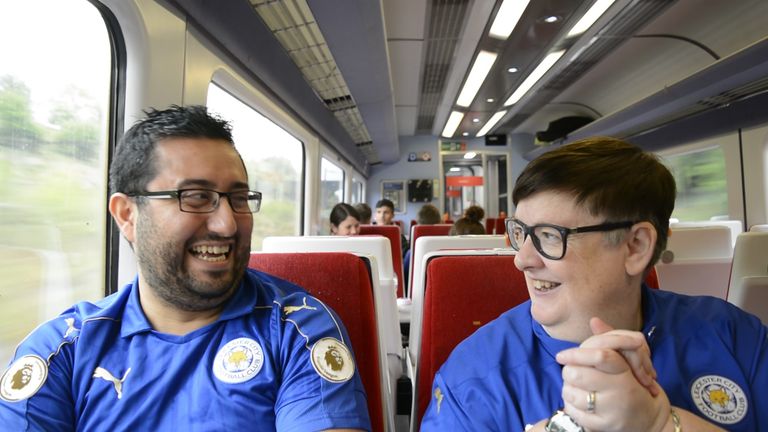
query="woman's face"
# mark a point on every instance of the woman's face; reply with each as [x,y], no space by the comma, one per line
[349,226]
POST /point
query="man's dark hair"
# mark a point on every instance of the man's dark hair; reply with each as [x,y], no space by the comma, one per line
[611,178]
[134,164]
[428,215]
[386,203]
[364,210]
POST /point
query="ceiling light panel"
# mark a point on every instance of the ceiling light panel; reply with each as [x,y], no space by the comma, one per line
[589,18]
[477,74]
[537,73]
[491,123]
[507,18]
[454,120]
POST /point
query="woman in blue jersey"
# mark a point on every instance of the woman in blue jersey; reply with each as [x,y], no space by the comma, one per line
[595,349]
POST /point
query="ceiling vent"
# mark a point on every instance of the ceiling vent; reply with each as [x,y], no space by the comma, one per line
[294,26]
[446,17]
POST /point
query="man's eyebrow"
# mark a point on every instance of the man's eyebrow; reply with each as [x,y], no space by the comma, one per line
[207,184]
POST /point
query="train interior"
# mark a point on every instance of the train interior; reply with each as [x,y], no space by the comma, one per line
[418,101]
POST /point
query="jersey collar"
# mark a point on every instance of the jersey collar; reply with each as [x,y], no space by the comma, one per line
[135,321]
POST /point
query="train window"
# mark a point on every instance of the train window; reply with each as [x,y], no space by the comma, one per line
[274,161]
[358,190]
[331,191]
[54,126]
[701,184]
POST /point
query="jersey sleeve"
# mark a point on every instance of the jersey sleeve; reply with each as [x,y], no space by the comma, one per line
[444,411]
[320,386]
[758,369]
[35,388]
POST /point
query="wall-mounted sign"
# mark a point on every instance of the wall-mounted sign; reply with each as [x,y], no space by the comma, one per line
[420,190]
[394,190]
[464,181]
[452,146]
[419,157]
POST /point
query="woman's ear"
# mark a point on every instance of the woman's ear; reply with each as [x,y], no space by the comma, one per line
[124,212]
[640,243]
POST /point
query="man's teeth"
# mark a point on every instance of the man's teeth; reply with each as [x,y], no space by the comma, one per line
[544,285]
[211,253]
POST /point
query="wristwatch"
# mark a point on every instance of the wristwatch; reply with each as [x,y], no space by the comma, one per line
[562,422]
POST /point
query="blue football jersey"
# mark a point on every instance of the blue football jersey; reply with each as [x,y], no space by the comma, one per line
[276,359]
[711,359]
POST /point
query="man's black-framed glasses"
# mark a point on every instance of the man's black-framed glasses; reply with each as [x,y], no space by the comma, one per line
[551,240]
[208,200]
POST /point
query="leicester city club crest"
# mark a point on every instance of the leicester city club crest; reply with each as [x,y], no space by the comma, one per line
[719,399]
[238,361]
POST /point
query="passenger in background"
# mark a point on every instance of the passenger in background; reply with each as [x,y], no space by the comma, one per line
[385,214]
[344,220]
[594,348]
[196,341]
[470,223]
[428,215]
[364,210]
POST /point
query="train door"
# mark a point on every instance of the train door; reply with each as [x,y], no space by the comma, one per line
[475,178]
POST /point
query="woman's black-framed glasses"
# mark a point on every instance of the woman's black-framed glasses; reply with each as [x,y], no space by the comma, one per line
[551,240]
[207,200]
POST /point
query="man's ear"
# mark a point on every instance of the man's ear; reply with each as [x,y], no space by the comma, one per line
[640,243]
[124,212]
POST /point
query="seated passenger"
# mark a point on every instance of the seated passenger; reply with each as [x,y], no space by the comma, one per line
[344,220]
[470,222]
[594,348]
[364,210]
[428,215]
[385,213]
[196,342]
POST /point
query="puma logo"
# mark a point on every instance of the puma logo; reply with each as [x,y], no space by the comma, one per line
[70,326]
[104,374]
[291,309]
[439,398]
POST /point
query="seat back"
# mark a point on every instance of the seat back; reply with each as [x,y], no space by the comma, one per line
[343,281]
[759,228]
[429,244]
[376,249]
[736,226]
[697,261]
[490,225]
[429,230]
[419,231]
[652,279]
[749,274]
[464,290]
[392,232]
[500,228]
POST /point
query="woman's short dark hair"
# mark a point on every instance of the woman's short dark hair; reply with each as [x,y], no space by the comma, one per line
[610,178]
[342,211]
[133,164]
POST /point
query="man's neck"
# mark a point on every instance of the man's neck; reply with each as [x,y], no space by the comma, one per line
[166,318]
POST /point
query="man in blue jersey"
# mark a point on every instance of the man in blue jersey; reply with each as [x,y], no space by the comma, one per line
[196,342]
[595,349]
